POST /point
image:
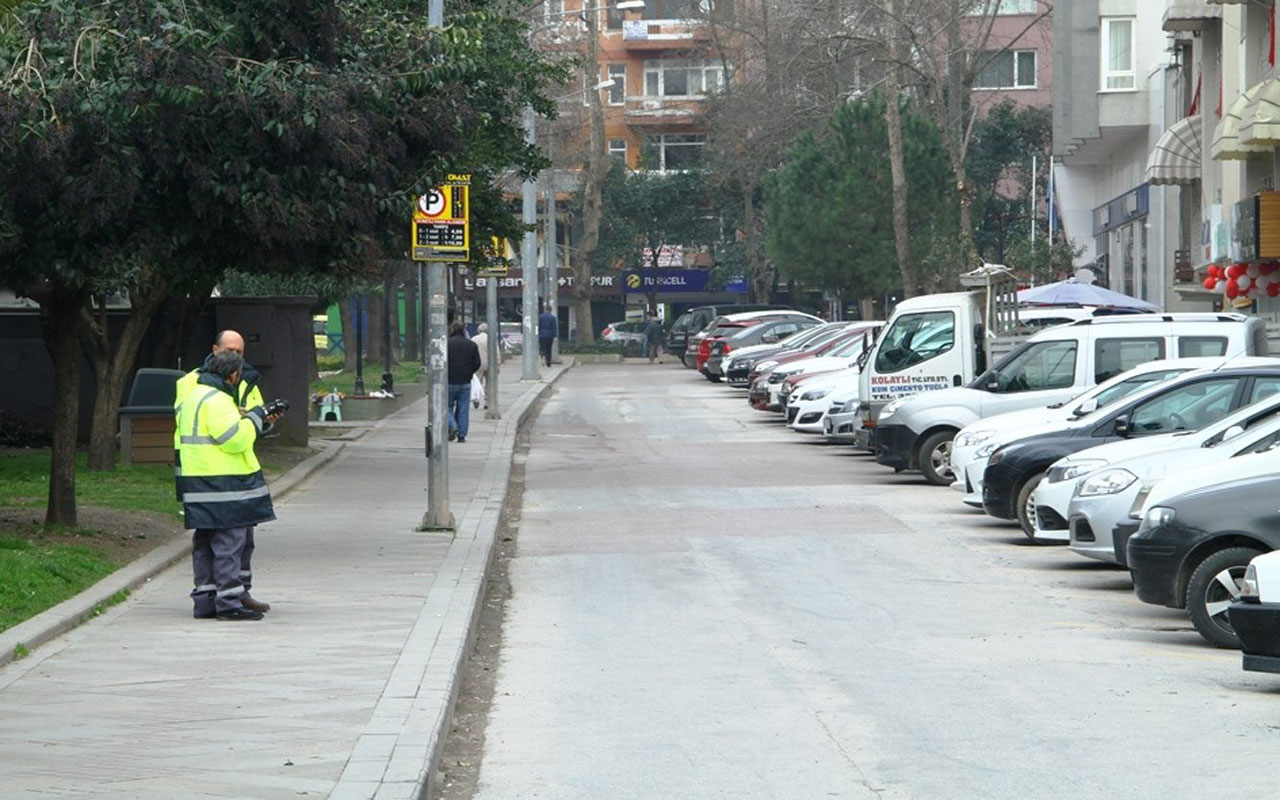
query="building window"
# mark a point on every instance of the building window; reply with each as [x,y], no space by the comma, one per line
[1118,72]
[684,77]
[553,9]
[618,150]
[618,91]
[1008,69]
[669,152]
[612,16]
[675,9]
[1017,7]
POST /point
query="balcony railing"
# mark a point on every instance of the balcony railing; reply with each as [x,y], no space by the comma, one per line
[664,110]
[664,34]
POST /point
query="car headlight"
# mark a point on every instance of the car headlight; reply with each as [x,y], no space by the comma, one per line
[1157,516]
[1073,469]
[815,394]
[972,438]
[848,406]
[765,366]
[1106,482]
[891,407]
[986,450]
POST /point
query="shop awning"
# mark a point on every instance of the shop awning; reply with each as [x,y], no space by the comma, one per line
[1226,137]
[1260,124]
[1176,156]
[1188,15]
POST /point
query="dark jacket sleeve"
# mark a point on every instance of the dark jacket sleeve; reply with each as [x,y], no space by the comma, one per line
[475,358]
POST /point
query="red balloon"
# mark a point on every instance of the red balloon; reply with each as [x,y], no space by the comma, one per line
[1233,272]
[1214,271]
[1232,289]
[1273,289]
[1210,282]
[1267,268]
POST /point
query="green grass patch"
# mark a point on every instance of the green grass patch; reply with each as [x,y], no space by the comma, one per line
[24,483]
[36,576]
[402,373]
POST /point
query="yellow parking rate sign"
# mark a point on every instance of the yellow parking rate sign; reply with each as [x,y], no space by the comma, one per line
[442,222]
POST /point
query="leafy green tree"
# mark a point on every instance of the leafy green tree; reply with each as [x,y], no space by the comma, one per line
[1005,142]
[148,145]
[826,206]
[645,210]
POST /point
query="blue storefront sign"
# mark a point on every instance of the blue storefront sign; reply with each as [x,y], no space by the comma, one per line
[675,281]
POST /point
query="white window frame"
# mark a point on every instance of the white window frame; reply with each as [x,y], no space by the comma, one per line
[553,9]
[1118,77]
[660,145]
[618,74]
[702,68]
[615,152]
[1013,54]
[1015,7]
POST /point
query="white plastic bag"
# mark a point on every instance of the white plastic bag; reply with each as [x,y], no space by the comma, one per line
[477,391]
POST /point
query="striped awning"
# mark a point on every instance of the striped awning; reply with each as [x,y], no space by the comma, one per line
[1188,15]
[1176,157]
[1260,124]
[1226,137]
[1228,2]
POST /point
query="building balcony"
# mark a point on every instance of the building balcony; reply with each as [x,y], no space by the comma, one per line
[652,35]
[664,111]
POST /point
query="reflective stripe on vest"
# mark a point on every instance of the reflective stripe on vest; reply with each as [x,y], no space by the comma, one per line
[225,497]
[195,438]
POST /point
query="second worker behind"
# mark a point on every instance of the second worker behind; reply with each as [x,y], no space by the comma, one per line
[464,362]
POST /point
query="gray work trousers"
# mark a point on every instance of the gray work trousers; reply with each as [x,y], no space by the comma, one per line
[215,565]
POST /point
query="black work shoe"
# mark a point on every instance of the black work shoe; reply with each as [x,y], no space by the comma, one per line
[453,434]
[461,439]
[239,614]
[254,605]
[203,615]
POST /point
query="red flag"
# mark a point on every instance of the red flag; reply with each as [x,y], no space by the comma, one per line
[1195,99]
[1271,35]
[1218,110]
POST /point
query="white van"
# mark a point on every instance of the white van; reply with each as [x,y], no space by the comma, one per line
[915,432]
[935,342]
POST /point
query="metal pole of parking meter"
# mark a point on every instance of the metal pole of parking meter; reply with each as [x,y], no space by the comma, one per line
[495,348]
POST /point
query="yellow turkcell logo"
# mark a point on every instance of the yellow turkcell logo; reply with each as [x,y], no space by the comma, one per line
[633,281]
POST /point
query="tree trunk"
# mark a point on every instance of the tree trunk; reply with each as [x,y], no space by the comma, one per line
[761,282]
[373,332]
[60,325]
[893,120]
[348,332]
[113,366]
[594,171]
[411,351]
[177,318]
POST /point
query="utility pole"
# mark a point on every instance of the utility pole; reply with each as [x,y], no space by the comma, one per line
[552,249]
[359,315]
[438,516]
[529,265]
[494,346]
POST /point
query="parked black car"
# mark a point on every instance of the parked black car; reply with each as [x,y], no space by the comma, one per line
[769,331]
[697,318]
[1191,551]
[740,370]
[1188,402]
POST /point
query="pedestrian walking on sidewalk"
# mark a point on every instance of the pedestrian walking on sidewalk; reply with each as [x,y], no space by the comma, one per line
[548,326]
[481,340]
[652,337]
[464,361]
[223,491]
[248,395]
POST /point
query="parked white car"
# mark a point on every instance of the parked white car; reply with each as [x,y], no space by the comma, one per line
[807,407]
[1102,509]
[977,441]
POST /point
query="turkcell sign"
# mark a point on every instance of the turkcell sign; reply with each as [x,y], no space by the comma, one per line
[674,281]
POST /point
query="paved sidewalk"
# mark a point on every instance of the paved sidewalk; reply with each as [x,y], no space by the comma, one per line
[342,691]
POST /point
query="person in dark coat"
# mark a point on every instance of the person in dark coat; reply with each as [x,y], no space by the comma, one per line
[464,362]
[547,328]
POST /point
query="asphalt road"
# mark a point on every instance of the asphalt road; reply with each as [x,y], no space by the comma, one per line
[706,605]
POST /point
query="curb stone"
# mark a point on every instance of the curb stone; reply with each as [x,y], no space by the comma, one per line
[55,621]
[399,750]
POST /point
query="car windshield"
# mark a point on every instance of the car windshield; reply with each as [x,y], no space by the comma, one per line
[852,347]
[913,338]
[1106,395]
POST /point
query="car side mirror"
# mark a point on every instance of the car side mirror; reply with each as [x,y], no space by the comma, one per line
[1122,425]
[1232,432]
[994,382]
[1087,407]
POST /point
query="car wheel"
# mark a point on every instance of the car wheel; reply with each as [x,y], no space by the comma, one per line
[712,378]
[1025,506]
[1214,584]
[935,458]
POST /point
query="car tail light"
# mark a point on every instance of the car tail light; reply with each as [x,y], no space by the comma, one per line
[704,349]
[726,347]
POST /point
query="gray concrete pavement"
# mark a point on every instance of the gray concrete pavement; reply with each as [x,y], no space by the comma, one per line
[341,692]
[705,605]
